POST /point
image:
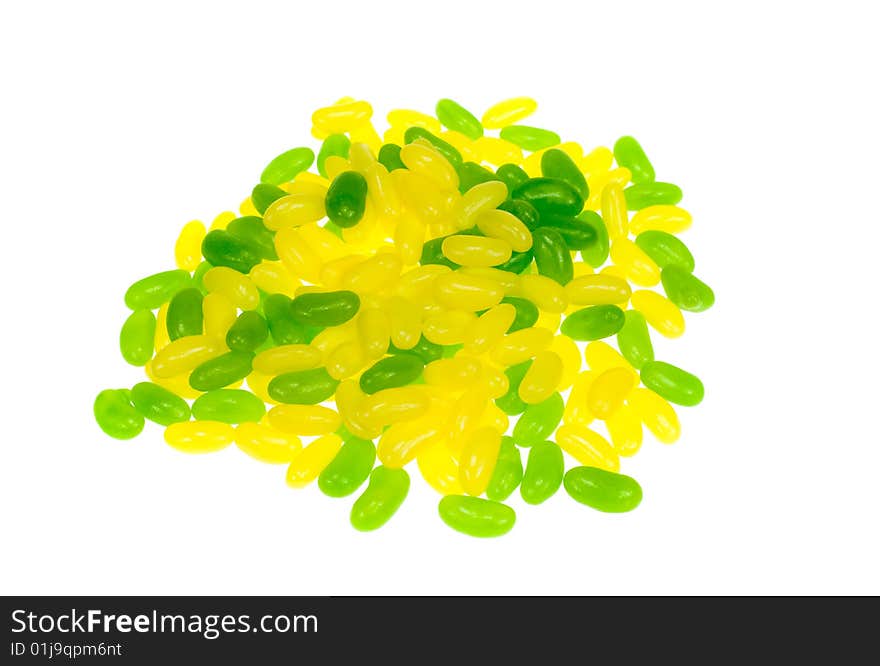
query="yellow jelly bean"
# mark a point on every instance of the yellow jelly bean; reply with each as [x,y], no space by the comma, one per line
[287,358]
[374,274]
[188,247]
[505,279]
[420,195]
[258,383]
[596,183]
[405,321]
[307,182]
[404,118]
[466,413]
[481,197]
[601,356]
[495,418]
[179,384]
[267,444]
[409,238]
[467,292]
[541,379]
[333,271]
[489,329]
[521,345]
[447,327]
[340,118]
[568,352]
[333,336]
[656,413]
[311,461]
[462,143]
[609,390]
[452,374]
[346,360]
[348,400]
[497,381]
[548,320]
[366,133]
[597,161]
[374,329]
[199,436]
[161,337]
[478,458]
[505,226]
[508,112]
[581,268]
[625,431]
[597,290]
[304,420]
[238,288]
[325,243]
[417,284]
[186,354]
[615,271]
[671,219]
[335,165]
[421,158]
[619,176]
[224,218]
[297,255]
[393,405]
[497,151]
[218,314]
[637,265]
[614,211]
[273,278]
[402,442]
[663,315]
[588,447]
[293,210]
[576,409]
[440,469]
[547,294]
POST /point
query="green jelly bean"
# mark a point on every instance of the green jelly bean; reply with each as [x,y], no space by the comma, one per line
[651,194]
[539,421]
[526,313]
[263,195]
[116,415]
[518,262]
[603,490]
[665,249]
[523,210]
[543,476]
[508,471]
[557,164]
[391,372]
[686,290]
[389,157]
[159,404]
[425,349]
[510,403]
[304,387]
[634,340]
[251,230]
[475,516]
[221,371]
[432,253]
[551,255]
[672,383]
[593,323]
[577,234]
[287,165]
[137,336]
[346,199]
[349,469]
[471,174]
[628,153]
[221,248]
[198,276]
[384,495]
[184,315]
[228,406]
[550,196]
[457,118]
[448,151]
[283,326]
[596,253]
[335,144]
[154,291]
[330,308]
[248,332]
[511,175]
[530,138]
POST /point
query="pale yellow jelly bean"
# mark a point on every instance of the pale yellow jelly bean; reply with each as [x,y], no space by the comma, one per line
[489,329]
[548,320]
[467,292]
[246,208]
[335,165]
[297,255]
[616,271]
[532,164]
[238,288]
[478,458]
[440,469]
[547,294]
[521,345]
[609,390]
[597,290]
[224,218]
[508,112]
[161,337]
[267,444]
[293,210]
[340,118]
[619,176]
[658,415]
[374,274]
[421,158]
[541,379]
[614,211]
[495,418]
[481,197]
[597,161]
[596,183]
[417,284]
[348,399]
[625,431]
[394,134]
[405,118]
[573,149]
[393,405]
[588,447]
[409,238]
[307,182]
[382,190]
[505,279]
[601,356]
[258,383]
[179,384]
[670,219]
[447,327]
[576,410]
[462,143]
[346,360]
[420,195]
[304,420]
[218,314]
[327,244]
[580,268]
[639,267]
[466,414]
[496,380]
[662,314]
[366,133]
[333,336]
[406,323]
[333,271]
[186,354]
[188,247]
[402,442]
[199,436]
[273,278]
[453,374]
[287,358]
[497,151]
[374,329]
[311,461]
[570,355]
[506,227]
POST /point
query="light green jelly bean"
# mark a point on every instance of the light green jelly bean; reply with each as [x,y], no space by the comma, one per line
[476,516]
[349,469]
[457,118]
[593,323]
[221,371]
[508,471]
[335,144]
[530,138]
[228,406]
[248,332]
[137,337]
[159,404]
[389,157]
[304,387]
[223,248]
[651,194]
[155,290]
[330,308]
[287,165]
[557,164]
[116,415]
[686,290]
[381,499]
[665,249]
[251,231]
[513,176]
[538,421]
[672,383]
[283,326]
[543,474]
[634,340]
[628,153]
[603,490]
[184,315]
[526,313]
[198,276]
[597,253]
[391,372]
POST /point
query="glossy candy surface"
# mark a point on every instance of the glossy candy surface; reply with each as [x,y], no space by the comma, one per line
[475,516]
[116,415]
[382,498]
[603,490]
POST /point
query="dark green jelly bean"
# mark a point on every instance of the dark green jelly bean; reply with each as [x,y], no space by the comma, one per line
[382,498]
[577,234]
[629,153]
[552,256]
[304,387]
[603,490]
[137,337]
[425,349]
[263,195]
[557,164]
[221,248]
[228,406]
[154,291]
[511,175]
[550,196]
[251,230]
[526,313]
[248,332]
[159,404]
[198,276]
[349,469]
[432,253]
[523,210]
[510,403]
[544,470]
[391,372]
[508,471]
[518,262]
[389,157]
[530,138]
[596,253]
[283,326]
[593,323]
[287,165]
[672,383]
[221,371]
[539,421]
[333,228]
[457,118]
[330,308]
[665,249]
[471,173]
[686,290]
[346,199]
[184,315]
[634,340]
[651,194]
[448,151]
[116,415]
[335,144]
[475,516]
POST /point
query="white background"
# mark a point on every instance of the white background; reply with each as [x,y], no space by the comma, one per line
[121,124]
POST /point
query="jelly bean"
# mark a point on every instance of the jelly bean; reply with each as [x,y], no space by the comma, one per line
[287,165]
[479,198]
[596,253]
[587,446]
[199,436]
[637,265]
[513,176]
[544,292]
[552,257]
[457,118]
[530,138]
[523,210]
[394,405]
[188,247]
[518,262]
[686,290]
[628,153]
[422,158]
[475,516]
[221,371]
[228,406]
[471,174]
[247,333]
[344,116]
[263,195]
[450,327]
[526,313]
[405,323]
[238,288]
[576,410]
[665,250]
[303,387]
[661,313]
[346,199]
[184,316]
[448,151]
[496,151]
[391,372]
[593,323]
[389,157]
[440,469]
[609,390]
[577,234]
[312,460]
[614,212]
[658,415]
[488,330]
[597,290]
[385,493]
[159,404]
[539,421]
[305,420]
[251,230]
[325,309]
[651,194]
[634,340]
[570,357]
[550,196]
[603,490]
[672,383]
[506,227]
[543,475]
[670,219]
[402,442]
[510,402]
[115,414]
[424,349]
[542,378]
[185,355]
[137,336]
[478,459]
[432,253]
[557,164]
[601,356]
[467,292]
[625,430]
[221,248]
[509,111]
[349,469]
[521,345]
[151,292]
[508,472]
[283,326]
[267,444]
[335,144]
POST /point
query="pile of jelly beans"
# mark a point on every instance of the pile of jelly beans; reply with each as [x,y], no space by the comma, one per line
[401,302]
